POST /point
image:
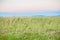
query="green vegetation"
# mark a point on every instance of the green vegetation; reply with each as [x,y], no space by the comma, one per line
[29,28]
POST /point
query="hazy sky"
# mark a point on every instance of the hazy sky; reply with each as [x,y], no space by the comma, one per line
[29,5]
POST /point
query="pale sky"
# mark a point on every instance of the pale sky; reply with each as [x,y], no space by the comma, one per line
[29,5]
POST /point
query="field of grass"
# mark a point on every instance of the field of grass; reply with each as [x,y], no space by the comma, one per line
[29,28]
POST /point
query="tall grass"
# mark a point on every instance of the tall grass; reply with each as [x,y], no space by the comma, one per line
[29,28]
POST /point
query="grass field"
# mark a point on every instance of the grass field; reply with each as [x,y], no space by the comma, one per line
[30,28]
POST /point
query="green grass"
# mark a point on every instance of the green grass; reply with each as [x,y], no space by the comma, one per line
[30,28]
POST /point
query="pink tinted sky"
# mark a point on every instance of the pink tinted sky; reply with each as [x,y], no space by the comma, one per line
[29,5]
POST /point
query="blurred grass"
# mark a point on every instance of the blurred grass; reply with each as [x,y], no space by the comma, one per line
[30,28]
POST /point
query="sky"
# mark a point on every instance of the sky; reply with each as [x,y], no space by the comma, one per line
[29,6]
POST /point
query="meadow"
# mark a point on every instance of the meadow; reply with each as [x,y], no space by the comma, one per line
[30,28]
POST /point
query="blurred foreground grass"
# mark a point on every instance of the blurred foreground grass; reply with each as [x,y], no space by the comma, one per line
[29,28]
